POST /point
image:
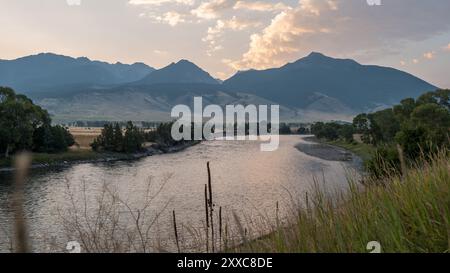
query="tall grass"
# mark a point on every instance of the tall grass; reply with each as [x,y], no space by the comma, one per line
[404,214]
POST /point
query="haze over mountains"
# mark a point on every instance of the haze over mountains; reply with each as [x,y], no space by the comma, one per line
[313,88]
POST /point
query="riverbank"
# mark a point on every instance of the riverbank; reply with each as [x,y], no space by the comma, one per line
[41,160]
[324,151]
[338,150]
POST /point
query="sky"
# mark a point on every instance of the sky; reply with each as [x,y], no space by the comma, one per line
[224,36]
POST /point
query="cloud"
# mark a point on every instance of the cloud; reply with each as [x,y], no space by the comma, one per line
[354,28]
[160,52]
[212,9]
[447,47]
[260,6]
[429,55]
[216,32]
[278,39]
[171,18]
[160,2]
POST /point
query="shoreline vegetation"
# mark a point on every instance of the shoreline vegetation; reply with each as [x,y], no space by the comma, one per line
[26,127]
[40,160]
[402,214]
[328,150]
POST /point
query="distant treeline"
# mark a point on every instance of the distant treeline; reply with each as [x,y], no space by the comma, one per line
[26,126]
[285,128]
[415,128]
[100,123]
[115,138]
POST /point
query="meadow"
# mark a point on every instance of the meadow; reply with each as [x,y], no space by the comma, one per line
[84,137]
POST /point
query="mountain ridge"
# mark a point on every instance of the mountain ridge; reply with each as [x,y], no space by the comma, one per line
[314,87]
[182,71]
[46,70]
[359,86]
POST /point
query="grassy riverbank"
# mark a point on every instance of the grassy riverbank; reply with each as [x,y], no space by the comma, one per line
[59,158]
[74,156]
[365,151]
[408,214]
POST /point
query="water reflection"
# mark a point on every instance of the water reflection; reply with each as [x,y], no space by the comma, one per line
[244,179]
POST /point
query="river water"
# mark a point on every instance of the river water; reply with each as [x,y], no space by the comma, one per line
[244,179]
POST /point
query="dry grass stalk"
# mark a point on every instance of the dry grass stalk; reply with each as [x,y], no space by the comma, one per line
[176,231]
[22,164]
[211,207]
[207,218]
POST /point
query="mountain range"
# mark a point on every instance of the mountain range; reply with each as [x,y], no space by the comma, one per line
[46,71]
[316,87]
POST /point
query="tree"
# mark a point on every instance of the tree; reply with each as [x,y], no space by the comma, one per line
[404,110]
[327,131]
[118,138]
[303,131]
[285,129]
[383,126]
[26,126]
[435,119]
[133,139]
[440,97]
[361,123]
[420,127]
[346,132]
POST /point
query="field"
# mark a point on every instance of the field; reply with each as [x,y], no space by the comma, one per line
[84,137]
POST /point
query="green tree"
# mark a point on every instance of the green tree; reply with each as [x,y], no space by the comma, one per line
[346,132]
[383,126]
[133,139]
[118,138]
[19,119]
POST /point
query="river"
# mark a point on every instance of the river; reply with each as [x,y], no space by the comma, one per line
[244,179]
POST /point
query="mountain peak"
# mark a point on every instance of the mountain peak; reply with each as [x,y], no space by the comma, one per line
[317,58]
[183,71]
[184,61]
[316,55]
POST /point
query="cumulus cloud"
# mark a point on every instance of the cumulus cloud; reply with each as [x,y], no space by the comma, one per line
[212,9]
[160,2]
[279,38]
[171,18]
[260,6]
[343,27]
[216,32]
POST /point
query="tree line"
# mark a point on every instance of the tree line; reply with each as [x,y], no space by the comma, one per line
[114,139]
[415,127]
[131,139]
[26,126]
